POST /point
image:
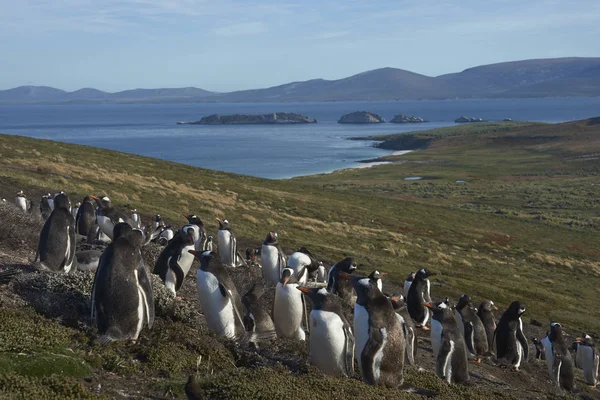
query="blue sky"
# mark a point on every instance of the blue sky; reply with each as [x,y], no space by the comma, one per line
[226,45]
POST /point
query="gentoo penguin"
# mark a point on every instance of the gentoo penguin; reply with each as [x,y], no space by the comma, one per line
[45,208]
[175,261]
[485,314]
[379,336]
[227,243]
[21,201]
[289,308]
[88,260]
[304,258]
[418,294]
[558,358]
[219,299]
[511,344]
[448,345]
[539,349]
[342,287]
[158,222]
[272,259]
[209,243]
[107,217]
[257,320]
[56,248]
[473,329]
[136,221]
[122,294]
[409,280]
[75,210]
[331,342]
[586,358]
[166,235]
[86,216]
[199,231]
[408,327]
[375,277]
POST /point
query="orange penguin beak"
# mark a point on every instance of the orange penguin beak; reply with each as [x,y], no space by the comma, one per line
[428,305]
[219,220]
[303,289]
[194,252]
[495,308]
[271,235]
[579,340]
[395,298]
[286,280]
[95,197]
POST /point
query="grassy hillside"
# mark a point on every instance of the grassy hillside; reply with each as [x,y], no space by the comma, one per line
[524,226]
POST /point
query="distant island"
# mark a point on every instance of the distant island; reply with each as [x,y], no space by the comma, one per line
[241,119]
[462,119]
[553,77]
[361,117]
[405,119]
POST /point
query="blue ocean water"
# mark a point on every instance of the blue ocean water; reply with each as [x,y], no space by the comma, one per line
[263,150]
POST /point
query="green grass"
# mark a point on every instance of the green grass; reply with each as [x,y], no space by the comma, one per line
[525,226]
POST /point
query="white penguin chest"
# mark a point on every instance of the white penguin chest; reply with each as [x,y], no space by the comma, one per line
[270,263]
[436,336]
[106,225]
[361,331]
[287,310]
[548,353]
[186,259]
[327,342]
[21,203]
[217,309]
[406,288]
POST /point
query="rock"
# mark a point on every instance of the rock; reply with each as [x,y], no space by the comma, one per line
[463,119]
[361,117]
[240,119]
[405,119]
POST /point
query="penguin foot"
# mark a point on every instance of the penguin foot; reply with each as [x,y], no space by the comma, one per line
[133,341]
[515,369]
[425,328]
[477,360]
[178,298]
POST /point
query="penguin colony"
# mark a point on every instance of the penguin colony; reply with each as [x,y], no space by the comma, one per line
[379,336]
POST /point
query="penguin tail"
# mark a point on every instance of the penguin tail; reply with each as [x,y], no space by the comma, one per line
[104,340]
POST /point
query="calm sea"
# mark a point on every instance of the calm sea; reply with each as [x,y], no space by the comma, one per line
[264,151]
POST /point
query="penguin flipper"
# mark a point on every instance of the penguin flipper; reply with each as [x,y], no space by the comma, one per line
[521,338]
[469,337]
[146,287]
[179,276]
[233,250]
[237,307]
[349,349]
[443,359]
[369,355]
[281,261]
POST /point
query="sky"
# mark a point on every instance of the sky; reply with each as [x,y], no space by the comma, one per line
[226,45]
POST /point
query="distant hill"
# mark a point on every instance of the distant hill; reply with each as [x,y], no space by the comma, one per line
[529,78]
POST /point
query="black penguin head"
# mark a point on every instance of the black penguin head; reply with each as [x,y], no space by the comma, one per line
[441,310]
[347,265]
[515,310]
[20,193]
[157,218]
[464,301]
[411,277]
[555,332]
[205,257]
[105,201]
[288,276]
[223,223]
[193,219]
[424,274]
[398,302]
[121,229]
[209,238]
[318,296]
[271,238]
[364,287]
[376,276]
[585,340]
[488,306]
[87,199]
[62,201]
[78,204]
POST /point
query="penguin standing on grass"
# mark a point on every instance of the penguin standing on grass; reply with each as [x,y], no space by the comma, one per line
[410,334]
[289,309]
[448,345]
[558,359]
[272,259]
[56,247]
[511,344]
[378,333]
[21,201]
[175,261]
[485,312]
[474,331]
[257,320]
[339,286]
[122,299]
[227,243]
[86,216]
[219,299]
[331,342]
[586,358]
[418,295]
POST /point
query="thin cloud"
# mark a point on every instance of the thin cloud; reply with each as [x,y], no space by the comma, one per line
[330,35]
[241,29]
